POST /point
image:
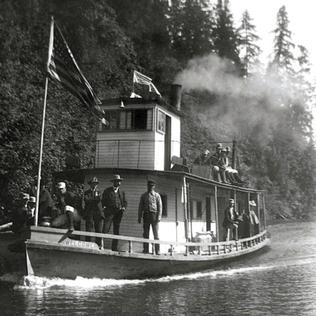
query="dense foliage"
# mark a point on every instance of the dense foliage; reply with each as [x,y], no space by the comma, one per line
[193,42]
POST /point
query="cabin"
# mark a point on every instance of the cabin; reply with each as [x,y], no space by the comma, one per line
[143,141]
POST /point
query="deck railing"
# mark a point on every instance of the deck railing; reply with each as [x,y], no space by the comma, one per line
[191,248]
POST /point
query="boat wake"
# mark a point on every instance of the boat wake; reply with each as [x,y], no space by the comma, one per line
[34,282]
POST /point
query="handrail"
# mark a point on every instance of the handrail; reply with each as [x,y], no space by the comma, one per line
[144,240]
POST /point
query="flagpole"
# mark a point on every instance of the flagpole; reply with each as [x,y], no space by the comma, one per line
[51,38]
[41,154]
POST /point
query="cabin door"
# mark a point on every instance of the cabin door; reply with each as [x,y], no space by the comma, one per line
[168,143]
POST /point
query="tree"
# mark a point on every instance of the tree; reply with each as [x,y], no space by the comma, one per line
[190,28]
[249,50]
[145,22]
[224,34]
[70,127]
[283,46]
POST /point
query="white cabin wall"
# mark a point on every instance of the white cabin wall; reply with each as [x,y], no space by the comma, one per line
[134,185]
[125,150]
[160,138]
[159,151]
[175,136]
[200,193]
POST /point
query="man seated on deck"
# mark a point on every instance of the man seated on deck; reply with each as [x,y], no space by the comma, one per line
[215,160]
[230,222]
[203,158]
[231,173]
[150,209]
[66,208]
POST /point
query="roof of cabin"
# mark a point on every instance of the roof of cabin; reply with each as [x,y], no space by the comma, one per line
[78,175]
[140,101]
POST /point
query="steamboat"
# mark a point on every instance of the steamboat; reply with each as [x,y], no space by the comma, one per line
[141,142]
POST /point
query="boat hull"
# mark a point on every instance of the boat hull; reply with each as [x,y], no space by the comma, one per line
[48,260]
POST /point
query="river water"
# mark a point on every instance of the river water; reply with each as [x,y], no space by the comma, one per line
[278,281]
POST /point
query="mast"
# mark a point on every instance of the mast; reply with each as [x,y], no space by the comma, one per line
[50,47]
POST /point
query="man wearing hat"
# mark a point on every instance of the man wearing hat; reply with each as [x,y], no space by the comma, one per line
[66,205]
[92,207]
[203,158]
[31,210]
[230,222]
[19,216]
[216,162]
[114,202]
[150,209]
[254,221]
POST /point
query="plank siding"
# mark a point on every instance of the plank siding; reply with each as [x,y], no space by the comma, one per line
[199,193]
[175,136]
[172,227]
[160,139]
[134,186]
[133,150]
[159,158]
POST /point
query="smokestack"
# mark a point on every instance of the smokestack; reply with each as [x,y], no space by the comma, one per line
[175,96]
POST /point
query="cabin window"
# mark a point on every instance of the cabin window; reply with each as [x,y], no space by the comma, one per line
[164,201]
[196,209]
[161,122]
[139,119]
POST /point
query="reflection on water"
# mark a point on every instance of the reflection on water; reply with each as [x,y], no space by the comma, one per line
[280,281]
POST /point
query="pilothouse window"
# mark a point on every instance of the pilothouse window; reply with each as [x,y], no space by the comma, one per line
[140,119]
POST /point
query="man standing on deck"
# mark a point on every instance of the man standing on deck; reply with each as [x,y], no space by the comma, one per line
[93,211]
[230,222]
[19,218]
[114,202]
[150,209]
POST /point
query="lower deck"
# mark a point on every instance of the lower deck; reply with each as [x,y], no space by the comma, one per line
[193,207]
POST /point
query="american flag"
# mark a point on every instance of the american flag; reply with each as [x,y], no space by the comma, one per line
[142,79]
[62,67]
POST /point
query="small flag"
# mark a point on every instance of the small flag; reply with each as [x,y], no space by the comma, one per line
[142,79]
[62,67]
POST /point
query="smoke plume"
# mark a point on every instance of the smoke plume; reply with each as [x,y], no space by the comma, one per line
[242,106]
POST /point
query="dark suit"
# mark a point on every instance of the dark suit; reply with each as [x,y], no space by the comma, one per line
[46,203]
[230,222]
[93,212]
[114,202]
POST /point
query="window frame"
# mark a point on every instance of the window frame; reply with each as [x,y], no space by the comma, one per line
[161,115]
[124,119]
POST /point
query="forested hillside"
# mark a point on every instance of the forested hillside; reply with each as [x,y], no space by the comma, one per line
[227,93]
